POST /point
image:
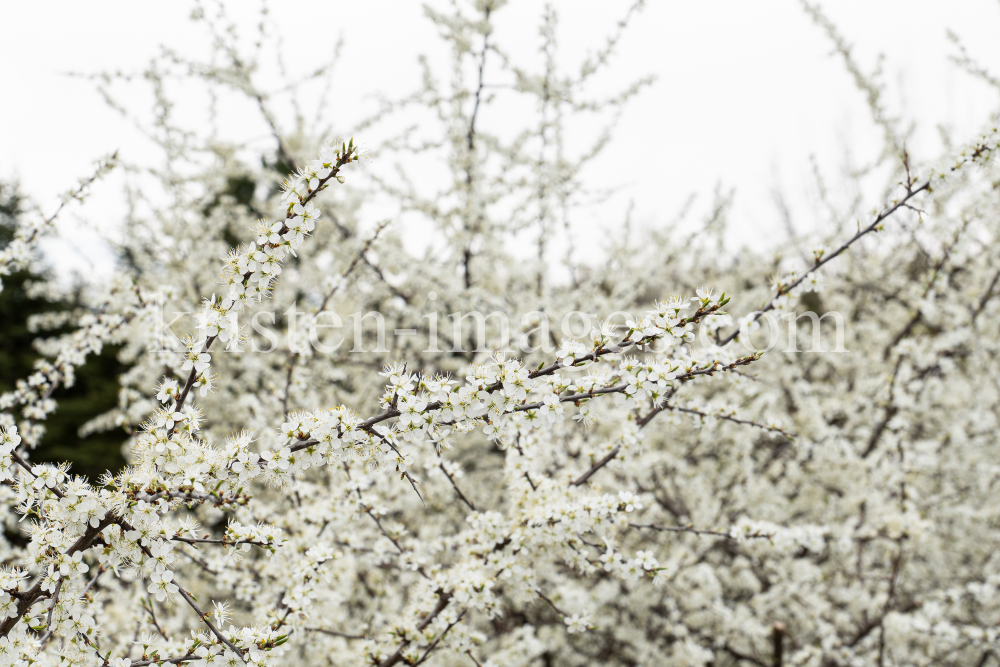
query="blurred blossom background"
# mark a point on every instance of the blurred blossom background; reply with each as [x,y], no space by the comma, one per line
[747,98]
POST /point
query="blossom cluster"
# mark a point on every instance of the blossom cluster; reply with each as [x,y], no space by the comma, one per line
[655,491]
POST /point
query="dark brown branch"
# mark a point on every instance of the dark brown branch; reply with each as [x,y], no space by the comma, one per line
[778,643]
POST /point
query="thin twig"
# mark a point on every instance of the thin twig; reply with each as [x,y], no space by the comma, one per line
[745,422]
[454,485]
[189,657]
[204,619]
[437,640]
[52,609]
[152,615]
[443,600]
[582,479]
[980,151]
[716,367]
[699,531]
[334,633]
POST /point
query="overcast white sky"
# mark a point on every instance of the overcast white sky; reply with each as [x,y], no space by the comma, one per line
[745,91]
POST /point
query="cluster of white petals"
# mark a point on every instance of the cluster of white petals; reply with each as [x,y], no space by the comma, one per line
[650,490]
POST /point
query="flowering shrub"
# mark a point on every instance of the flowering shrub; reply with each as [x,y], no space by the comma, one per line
[654,490]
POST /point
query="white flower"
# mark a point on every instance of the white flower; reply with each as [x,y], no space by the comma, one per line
[168,391]
[570,351]
[161,586]
[577,624]
[199,361]
[708,295]
[9,439]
